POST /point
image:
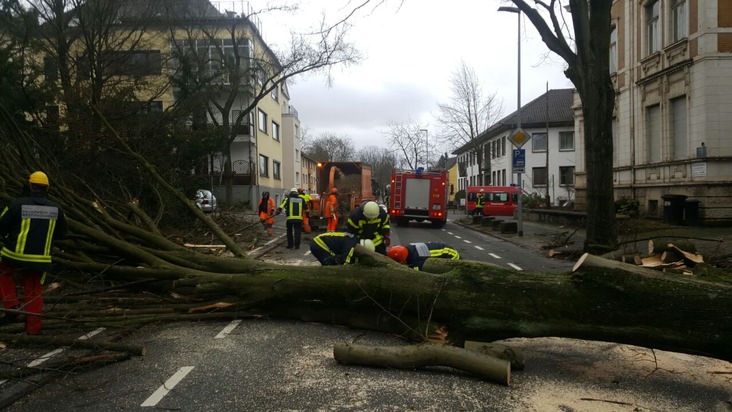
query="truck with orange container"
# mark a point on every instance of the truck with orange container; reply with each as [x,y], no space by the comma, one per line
[354,183]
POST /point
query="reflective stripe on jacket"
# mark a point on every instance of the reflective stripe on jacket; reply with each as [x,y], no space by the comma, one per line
[294,207]
[418,253]
[374,229]
[31,224]
[338,244]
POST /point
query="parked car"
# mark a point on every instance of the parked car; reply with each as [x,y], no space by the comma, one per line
[206,201]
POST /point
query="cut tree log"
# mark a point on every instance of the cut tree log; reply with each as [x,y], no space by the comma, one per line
[422,355]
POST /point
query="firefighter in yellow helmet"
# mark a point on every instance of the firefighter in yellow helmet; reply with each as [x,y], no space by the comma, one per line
[369,221]
[28,227]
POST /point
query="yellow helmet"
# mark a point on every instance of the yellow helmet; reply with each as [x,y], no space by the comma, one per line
[371,210]
[38,178]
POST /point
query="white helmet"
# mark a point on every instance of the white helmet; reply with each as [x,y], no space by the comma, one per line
[368,244]
[371,210]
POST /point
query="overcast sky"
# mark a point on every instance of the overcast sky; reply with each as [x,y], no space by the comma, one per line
[411,48]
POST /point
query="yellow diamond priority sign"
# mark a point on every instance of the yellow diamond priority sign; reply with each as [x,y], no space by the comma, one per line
[519,138]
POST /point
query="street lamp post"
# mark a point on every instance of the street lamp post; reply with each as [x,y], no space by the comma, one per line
[518,113]
[427,147]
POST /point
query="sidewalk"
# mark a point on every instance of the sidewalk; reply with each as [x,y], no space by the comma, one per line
[535,235]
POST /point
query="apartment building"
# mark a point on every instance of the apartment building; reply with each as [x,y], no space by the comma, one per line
[550,153]
[672,69]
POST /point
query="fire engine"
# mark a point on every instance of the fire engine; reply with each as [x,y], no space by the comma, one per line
[418,195]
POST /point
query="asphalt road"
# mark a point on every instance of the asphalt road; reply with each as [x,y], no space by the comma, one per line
[278,365]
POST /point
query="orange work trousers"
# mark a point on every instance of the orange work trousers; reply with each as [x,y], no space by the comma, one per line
[332,223]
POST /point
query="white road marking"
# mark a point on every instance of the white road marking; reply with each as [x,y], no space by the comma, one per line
[227,330]
[55,352]
[167,386]
[494,255]
[478,247]
[514,266]
[458,237]
[467,241]
[307,253]
[449,233]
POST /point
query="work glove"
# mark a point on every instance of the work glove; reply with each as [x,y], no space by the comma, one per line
[387,241]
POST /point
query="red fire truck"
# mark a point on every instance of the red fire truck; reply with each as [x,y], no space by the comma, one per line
[418,195]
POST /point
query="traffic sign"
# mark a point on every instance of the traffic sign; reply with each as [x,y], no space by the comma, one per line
[519,138]
[519,160]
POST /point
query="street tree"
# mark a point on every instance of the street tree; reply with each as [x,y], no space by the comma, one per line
[382,161]
[329,147]
[224,64]
[586,50]
[468,113]
[409,140]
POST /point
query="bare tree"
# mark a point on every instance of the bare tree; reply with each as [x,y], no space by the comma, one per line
[468,113]
[382,161]
[410,141]
[330,147]
[244,75]
[586,49]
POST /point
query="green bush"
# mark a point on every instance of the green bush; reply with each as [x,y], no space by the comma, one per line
[627,206]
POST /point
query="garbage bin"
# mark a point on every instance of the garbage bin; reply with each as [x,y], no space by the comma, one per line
[691,210]
[673,208]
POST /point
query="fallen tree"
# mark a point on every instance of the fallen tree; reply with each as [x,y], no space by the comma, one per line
[118,245]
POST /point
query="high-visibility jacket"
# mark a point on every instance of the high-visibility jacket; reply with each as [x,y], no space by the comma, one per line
[418,253]
[479,201]
[308,199]
[340,245]
[29,226]
[294,207]
[331,206]
[375,229]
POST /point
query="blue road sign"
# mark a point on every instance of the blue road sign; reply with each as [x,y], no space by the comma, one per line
[519,160]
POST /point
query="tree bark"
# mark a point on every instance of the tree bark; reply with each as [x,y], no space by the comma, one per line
[427,354]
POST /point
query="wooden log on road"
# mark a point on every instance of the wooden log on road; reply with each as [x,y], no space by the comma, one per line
[422,355]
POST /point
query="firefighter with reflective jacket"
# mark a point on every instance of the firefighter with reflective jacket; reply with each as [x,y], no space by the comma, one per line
[294,207]
[309,202]
[369,221]
[28,227]
[336,248]
[415,254]
[331,210]
[479,203]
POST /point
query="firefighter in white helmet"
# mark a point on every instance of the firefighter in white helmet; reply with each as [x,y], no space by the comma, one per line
[369,221]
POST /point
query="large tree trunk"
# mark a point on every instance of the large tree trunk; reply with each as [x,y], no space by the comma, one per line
[482,302]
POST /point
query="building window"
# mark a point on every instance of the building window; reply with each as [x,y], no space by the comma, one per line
[263,166]
[539,176]
[653,10]
[276,93]
[653,133]
[297,178]
[566,141]
[275,131]
[134,63]
[679,20]
[614,50]
[679,128]
[262,120]
[538,142]
[503,146]
[276,170]
[566,175]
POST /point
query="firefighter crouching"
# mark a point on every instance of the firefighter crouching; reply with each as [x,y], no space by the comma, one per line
[294,207]
[369,221]
[336,248]
[415,254]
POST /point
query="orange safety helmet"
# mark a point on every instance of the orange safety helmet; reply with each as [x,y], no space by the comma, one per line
[398,253]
